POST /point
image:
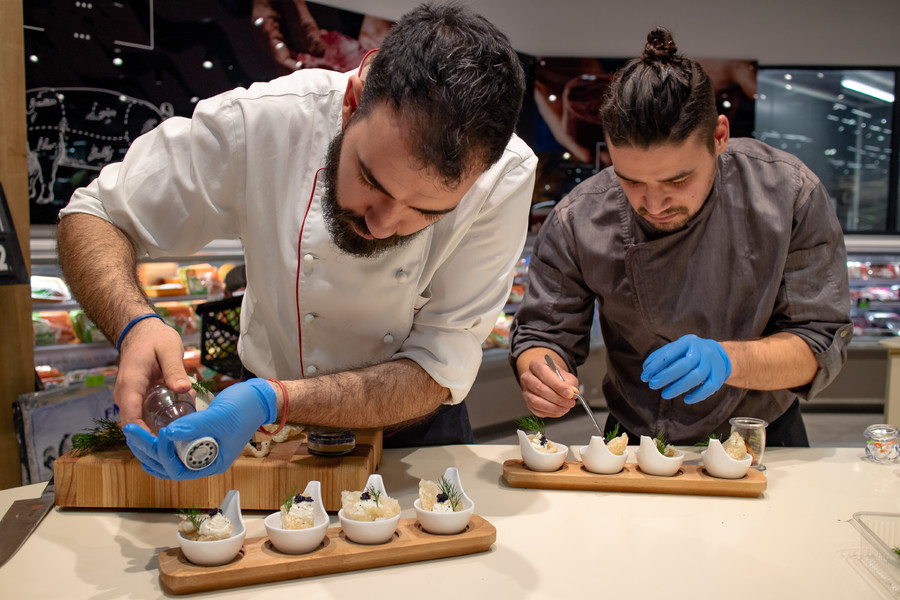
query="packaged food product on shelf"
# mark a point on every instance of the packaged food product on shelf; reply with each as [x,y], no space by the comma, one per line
[85,329]
[499,335]
[179,315]
[52,327]
[49,289]
[199,279]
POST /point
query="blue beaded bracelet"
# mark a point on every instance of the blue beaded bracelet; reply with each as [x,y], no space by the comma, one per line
[132,324]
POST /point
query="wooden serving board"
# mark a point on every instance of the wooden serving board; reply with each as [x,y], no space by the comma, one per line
[259,561]
[115,479]
[691,479]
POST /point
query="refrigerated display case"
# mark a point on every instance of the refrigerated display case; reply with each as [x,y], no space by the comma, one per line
[76,351]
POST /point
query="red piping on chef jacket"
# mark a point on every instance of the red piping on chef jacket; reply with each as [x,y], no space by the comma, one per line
[297,283]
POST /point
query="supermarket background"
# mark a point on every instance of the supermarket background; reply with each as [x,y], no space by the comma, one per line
[98,74]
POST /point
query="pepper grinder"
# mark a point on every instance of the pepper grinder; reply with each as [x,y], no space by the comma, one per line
[161,407]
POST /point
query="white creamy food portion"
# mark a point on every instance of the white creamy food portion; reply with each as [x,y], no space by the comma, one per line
[301,515]
[217,527]
[540,443]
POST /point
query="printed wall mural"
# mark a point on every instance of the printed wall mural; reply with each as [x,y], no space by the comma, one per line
[101,72]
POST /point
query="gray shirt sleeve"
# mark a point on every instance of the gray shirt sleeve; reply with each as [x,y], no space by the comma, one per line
[558,308]
[814,300]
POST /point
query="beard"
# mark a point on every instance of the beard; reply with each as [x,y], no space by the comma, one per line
[671,226]
[342,223]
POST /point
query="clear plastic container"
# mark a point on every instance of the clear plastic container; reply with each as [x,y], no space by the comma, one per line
[753,431]
[882,444]
[879,541]
[161,407]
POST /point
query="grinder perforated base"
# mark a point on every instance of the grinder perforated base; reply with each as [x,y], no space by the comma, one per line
[197,454]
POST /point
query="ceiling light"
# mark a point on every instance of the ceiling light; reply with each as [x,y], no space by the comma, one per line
[868,90]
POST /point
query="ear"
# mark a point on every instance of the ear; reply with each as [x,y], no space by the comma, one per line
[722,134]
[351,99]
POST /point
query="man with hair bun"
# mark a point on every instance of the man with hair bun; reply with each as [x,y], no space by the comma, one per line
[717,267]
[381,212]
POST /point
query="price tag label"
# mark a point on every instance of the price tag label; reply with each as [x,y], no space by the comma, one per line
[12,265]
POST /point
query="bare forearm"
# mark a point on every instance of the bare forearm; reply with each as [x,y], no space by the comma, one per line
[100,266]
[376,396]
[780,361]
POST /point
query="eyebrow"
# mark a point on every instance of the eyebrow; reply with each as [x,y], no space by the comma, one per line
[377,185]
[371,178]
[681,175]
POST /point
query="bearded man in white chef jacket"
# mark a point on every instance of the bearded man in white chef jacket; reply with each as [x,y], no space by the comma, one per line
[381,212]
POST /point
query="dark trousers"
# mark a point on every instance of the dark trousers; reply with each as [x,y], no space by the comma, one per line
[449,424]
[786,430]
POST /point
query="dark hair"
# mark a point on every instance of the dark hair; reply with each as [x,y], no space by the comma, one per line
[659,98]
[456,82]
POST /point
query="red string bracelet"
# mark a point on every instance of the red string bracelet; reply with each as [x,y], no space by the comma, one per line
[284,409]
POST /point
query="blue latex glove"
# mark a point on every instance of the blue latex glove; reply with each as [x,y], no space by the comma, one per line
[689,364]
[231,419]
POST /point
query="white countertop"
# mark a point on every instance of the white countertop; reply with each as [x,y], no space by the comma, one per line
[794,542]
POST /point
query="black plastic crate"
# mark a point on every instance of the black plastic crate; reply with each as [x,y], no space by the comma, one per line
[220,328]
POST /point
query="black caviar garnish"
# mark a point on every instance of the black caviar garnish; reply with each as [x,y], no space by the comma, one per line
[214,511]
[442,497]
[543,440]
[301,498]
[365,495]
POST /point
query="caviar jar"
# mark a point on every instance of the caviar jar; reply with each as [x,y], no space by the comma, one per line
[882,443]
[327,441]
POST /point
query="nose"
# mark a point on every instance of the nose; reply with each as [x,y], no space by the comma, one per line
[655,200]
[383,218]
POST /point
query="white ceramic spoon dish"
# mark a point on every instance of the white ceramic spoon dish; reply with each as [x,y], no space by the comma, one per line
[597,458]
[299,541]
[541,461]
[718,463]
[370,532]
[447,523]
[218,552]
[652,462]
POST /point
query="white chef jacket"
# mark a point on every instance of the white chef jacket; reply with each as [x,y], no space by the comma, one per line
[245,166]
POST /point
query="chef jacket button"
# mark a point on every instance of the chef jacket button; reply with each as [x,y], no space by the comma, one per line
[308,258]
[844,333]
[311,370]
[388,339]
[402,276]
[309,317]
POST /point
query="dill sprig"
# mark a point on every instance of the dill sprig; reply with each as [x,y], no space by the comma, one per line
[105,435]
[452,493]
[201,386]
[286,503]
[192,514]
[612,434]
[897,550]
[661,443]
[712,436]
[374,493]
[532,423]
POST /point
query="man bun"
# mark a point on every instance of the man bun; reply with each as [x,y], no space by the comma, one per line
[660,46]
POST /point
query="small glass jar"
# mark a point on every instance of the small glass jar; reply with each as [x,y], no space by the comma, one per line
[161,407]
[329,441]
[753,431]
[882,444]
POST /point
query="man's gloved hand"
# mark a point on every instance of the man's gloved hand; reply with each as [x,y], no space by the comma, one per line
[689,364]
[231,419]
